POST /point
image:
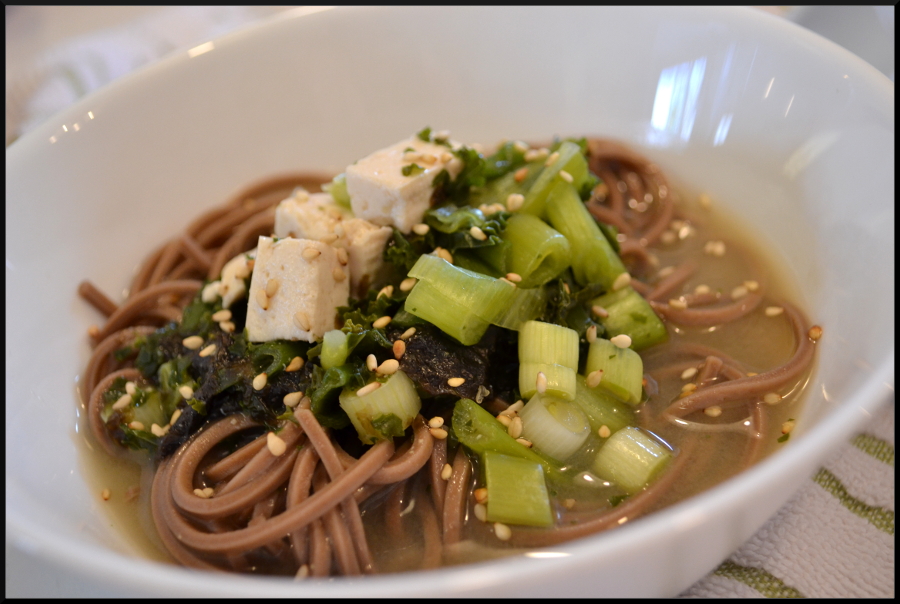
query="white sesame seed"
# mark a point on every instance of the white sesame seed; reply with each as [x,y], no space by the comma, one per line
[186,392]
[788,426]
[535,154]
[372,387]
[310,254]
[524,442]
[411,156]
[520,174]
[688,388]
[599,311]
[442,253]
[201,494]
[192,342]
[338,274]
[505,419]
[477,233]
[276,444]
[702,289]
[622,340]
[388,367]
[227,326]
[342,255]
[594,378]
[408,333]
[438,433]
[371,362]
[302,572]
[136,425]
[456,382]
[209,350]
[259,382]
[399,348]
[552,158]
[175,415]
[751,285]
[295,365]
[515,427]
[714,248]
[446,156]
[301,320]
[381,322]
[329,238]
[105,494]
[714,411]
[407,284]
[688,373]
[421,228]
[446,471]
[591,334]
[516,406]
[481,495]
[272,286]
[156,430]
[292,399]
[122,402]
[480,512]
[93,331]
[131,388]
[680,304]
[514,202]
[738,292]
[540,382]
[621,281]
[772,398]
[210,292]
[705,201]
[814,333]
[507,281]
[502,531]
[262,299]
[387,290]
[566,176]
[429,159]
[604,431]
[520,146]
[668,237]
[436,422]
[774,311]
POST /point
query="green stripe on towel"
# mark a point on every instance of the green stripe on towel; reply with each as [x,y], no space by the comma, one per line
[768,585]
[881,518]
[875,447]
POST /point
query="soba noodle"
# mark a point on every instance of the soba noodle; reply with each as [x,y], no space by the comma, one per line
[224,501]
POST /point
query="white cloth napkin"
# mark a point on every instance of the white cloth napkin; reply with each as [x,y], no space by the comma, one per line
[834,538]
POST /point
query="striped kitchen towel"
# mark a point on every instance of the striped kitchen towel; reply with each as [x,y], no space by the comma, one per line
[833,539]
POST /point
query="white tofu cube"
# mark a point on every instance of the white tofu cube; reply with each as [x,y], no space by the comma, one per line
[295,290]
[318,217]
[380,193]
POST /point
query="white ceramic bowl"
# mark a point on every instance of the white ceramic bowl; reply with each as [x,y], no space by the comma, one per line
[793,133]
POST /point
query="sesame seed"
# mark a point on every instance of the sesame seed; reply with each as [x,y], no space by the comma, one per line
[438,433]
[295,365]
[372,387]
[93,331]
[505,419]
[622,340]
[815,332]
[688,373]
[301,320]
[774,311]
[481,495]
[302,572]
[371,362]
[429,159]
[594,378]
[210,292]
[591,334]
[442,253]
[131,388]
[477,233]
[502,531]
[192,342]
[156,430]
[381,322]
[441,135]
[714,411]
[310,254]
[480,512]
[122,402]
[514,202]
[209,350]
[175,415]
[436,422]
[338,274]
[262,299]
[566,176]
[136,425]
[446,156]
[705,201]
[259,382]
[411,156]
[540,383]
[738,292]
[604,431]
[772,398]
[399,348]
[714,248]
[536,154]
[751,285]
[751,373]
[621,281]
[515,427]
[788,426]
[599,311]
[342,255]
[407,284]
[668,237]
[680,304]
[552,158]
[227,326]
[421,229]
[507,281]
[387,290]
[276,445]
[186,391]
[201,494]
[567,288]
[520,174]
[329,238]
[105,494]
[524,442]
[446,471]
[272,286]
[408,333]
[456,382]
[702,289]
[292,399]
[244,271]
[388,367]
[520,146]
[688,388]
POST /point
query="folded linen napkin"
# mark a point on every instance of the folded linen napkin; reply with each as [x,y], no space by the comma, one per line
[833,539]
